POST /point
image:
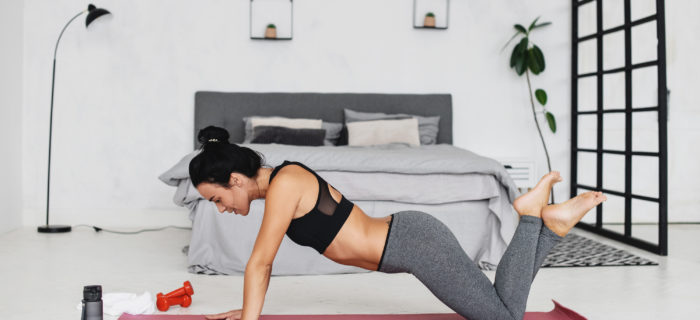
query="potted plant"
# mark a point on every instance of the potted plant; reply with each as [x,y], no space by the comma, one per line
[429,21]
[525,58]
[271,31]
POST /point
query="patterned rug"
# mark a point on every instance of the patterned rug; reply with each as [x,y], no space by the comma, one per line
[579,251]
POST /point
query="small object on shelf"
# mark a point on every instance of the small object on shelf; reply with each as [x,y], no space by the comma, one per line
[271,31]
[429,21]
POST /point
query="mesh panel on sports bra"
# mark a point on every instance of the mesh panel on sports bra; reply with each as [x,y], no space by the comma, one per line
[326,203]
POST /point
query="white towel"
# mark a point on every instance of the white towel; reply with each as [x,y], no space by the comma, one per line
[116,303]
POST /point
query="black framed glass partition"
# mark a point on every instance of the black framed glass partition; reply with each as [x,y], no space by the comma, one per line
[619,116]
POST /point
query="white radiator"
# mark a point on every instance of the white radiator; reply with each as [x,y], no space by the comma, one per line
[522,171]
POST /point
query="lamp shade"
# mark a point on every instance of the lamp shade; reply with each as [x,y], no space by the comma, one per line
[94,13]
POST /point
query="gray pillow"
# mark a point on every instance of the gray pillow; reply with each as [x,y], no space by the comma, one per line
[283,135]
[333,130]
[427,126]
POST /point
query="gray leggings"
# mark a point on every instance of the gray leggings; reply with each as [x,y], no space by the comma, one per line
[422,245]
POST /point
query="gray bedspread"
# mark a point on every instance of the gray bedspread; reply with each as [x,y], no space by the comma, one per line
[439,177]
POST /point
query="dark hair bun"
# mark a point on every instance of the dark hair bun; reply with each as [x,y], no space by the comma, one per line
[219,158]
[213,134]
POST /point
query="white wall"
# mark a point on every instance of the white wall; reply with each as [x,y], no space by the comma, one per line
[11,56]
[125,88]
[682,46]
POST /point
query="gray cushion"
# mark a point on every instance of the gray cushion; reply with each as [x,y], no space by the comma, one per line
[427,126]
[333,130]
[283,135]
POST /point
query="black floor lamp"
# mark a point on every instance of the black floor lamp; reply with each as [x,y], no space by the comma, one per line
[93,13]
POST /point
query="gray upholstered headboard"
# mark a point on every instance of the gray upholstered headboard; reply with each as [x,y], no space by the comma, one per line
[227,109]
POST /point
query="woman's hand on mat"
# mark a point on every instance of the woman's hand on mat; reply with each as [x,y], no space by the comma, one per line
[231,315]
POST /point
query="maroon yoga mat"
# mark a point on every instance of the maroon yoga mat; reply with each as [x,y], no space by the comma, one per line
[558,313]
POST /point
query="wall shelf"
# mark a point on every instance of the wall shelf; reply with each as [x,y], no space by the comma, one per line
[435,28]
[263,38]
[272,16]
[422,7]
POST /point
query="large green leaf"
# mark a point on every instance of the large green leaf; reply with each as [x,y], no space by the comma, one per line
[552,123]
[537,57]
[541,96]
[532,25]
[523,45]
[520,65]
[515,55]
[532,62]
[520,28]
[521,61]
[518,59]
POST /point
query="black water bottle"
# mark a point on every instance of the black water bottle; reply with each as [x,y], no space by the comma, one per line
[92,303]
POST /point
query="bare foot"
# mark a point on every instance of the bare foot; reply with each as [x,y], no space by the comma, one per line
[561,217]
[533,201]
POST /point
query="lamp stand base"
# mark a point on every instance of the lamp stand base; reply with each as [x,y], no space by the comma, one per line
[53,229]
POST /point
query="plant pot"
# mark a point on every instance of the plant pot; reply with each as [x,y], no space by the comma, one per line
[429,22]
[271,33]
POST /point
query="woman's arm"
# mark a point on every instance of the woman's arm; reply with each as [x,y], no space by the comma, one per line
[255,283]
[281,202]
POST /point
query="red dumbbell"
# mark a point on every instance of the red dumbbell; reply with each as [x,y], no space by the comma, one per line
[164,302]
[180,296]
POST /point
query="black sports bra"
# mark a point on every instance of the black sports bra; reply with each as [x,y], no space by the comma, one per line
[318,227]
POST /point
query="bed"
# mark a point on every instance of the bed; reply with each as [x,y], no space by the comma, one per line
[470,193]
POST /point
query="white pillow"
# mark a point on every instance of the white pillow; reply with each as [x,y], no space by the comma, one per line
[287,122]
[376,132]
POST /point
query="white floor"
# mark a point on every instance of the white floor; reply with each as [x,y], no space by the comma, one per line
[42,276]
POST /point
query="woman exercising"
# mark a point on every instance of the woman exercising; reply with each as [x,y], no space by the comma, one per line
[300,204]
